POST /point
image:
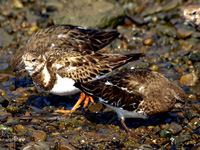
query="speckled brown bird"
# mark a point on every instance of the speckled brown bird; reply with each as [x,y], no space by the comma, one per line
[191,15]
[66,37]
[58,70]
[136,93]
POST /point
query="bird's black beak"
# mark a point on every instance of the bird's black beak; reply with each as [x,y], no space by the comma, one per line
[20,67]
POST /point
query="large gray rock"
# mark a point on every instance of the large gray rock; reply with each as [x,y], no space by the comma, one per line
[90,13]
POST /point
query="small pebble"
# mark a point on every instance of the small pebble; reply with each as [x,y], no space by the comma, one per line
[2,92]
[17,4]
[192,98]
[64,145]
[21,99]
[95,108]
[4,127]
[39,135]
[3,66]
[194,56]
[19,128]
[196,107]
[25,95]
[175,128]
[12,87]
[36,146]
[36,121]
[49,128]
[148,41]
[145,147]
[182,33]
[12,109]
[154,68]
[4,78]
[189,79]
[183,138]
[164,133]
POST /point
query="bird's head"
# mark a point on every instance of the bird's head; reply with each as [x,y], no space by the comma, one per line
[32,61]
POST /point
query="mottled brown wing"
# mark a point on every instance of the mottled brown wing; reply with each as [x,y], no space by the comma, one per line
[72,37]
[17,57]
[67,37]
[85,67]
[159,94]
[147,91]
[111,94]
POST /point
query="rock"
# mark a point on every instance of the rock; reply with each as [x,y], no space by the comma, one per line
[195,121]
[197,66]
[169,65]
[145,147]
[181,139]
[192,98]
[170,5]
[4,77]
[12,87]
[196,107]
[3,66]
[51,8]
[189,79]
[64,145]
[152,10]
[175,128]
[19,128]
[39,135]
[148,41]
[95,108]
[17,4]
[185,45]
[12,109]
[164,133]
[3,93]
[182,33]
[189,115]
[36,121]
[154,68]
[85,13]
[36,146]
[194,56]
[155,129]
[3,127]
[5,40]
[165,30]
[49,128]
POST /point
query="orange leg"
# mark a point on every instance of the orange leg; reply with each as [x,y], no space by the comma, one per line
[84,98]
[87,99]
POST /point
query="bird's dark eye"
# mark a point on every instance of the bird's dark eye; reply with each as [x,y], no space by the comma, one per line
[33,60]
[193,13]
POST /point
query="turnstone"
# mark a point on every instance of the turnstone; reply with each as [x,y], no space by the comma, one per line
[65,36]
[136,93]
[57,71]
[191,15]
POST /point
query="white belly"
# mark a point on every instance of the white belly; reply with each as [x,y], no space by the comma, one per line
[64,86]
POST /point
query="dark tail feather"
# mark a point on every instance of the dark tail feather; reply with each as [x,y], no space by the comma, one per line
[129,58]
[135,56]
[102,39]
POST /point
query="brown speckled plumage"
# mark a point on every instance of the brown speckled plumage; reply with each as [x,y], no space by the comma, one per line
[67,37]
[191,15]
[80,66]
[139,91]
